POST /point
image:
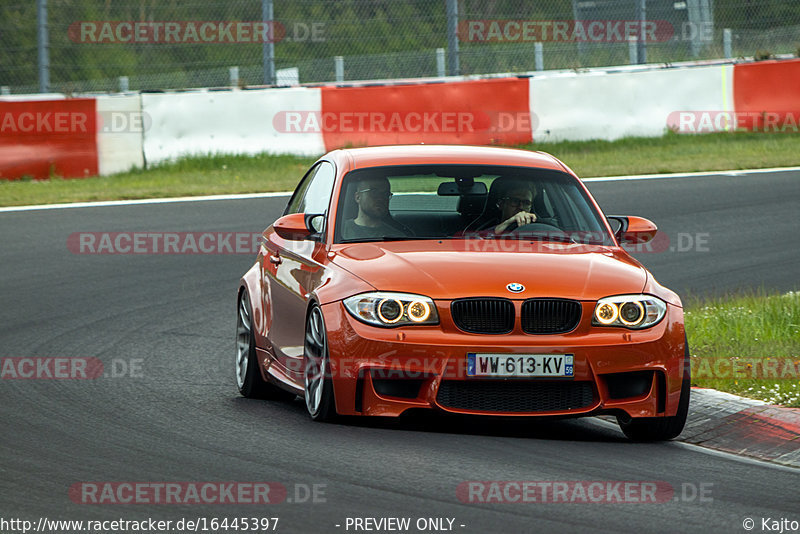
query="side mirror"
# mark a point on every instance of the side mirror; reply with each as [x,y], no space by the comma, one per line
[299,226]
[633,230]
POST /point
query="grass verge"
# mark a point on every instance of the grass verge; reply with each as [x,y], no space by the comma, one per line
[748,345]
[210,175]
[196,176]
[677,153]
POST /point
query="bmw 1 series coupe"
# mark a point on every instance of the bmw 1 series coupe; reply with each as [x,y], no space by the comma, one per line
[468,280]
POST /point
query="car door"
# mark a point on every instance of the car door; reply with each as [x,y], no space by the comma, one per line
[289,270]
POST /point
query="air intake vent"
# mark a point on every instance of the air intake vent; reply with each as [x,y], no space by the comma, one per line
[515,396]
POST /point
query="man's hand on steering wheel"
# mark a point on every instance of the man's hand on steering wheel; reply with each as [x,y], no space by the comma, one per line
[518,219]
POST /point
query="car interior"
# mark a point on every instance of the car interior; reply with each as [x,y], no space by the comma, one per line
[445,202]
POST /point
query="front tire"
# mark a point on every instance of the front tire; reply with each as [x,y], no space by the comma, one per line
[248,376]
[318,388]
[662,428]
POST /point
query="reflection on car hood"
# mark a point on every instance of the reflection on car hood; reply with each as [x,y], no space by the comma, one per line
[463,268]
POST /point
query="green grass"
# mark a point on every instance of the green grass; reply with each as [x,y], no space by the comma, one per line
[677,153]
[209,175]
[754,332]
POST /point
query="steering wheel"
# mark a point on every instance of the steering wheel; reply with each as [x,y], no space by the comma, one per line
[538,226]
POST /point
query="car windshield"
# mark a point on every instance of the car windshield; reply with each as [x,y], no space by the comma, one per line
[466,202]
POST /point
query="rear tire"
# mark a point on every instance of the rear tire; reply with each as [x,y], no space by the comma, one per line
[248,376]
[662,428]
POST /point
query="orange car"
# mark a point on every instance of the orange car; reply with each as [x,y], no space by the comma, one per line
[470,280]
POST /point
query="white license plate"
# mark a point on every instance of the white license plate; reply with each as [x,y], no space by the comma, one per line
[525,365]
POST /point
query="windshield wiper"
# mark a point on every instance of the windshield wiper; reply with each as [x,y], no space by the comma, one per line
[534,237]
[386,238]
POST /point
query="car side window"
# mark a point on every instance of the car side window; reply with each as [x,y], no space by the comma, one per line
[313,196]
[318,195]
[296,202]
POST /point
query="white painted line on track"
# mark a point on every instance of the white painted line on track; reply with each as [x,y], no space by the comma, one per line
[709,174]
[105,203]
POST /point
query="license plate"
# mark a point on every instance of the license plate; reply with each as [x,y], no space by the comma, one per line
[524,365]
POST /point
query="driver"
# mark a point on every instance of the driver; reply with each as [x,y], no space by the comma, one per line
[515,207]
[373,220]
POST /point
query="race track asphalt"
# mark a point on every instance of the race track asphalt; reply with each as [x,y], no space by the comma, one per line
[170,318]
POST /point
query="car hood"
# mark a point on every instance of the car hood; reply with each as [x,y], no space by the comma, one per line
[463,268]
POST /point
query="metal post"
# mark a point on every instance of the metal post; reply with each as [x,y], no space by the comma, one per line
[452,37]
[43,46]
[700,25]
[268,48]
[233,76]
[576,15]
[338,64]
[727,42]
[440,72]
[538,55]
[641,51]
[633,50]
[124,84]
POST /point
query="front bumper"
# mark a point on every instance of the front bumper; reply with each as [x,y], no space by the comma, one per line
[386,371]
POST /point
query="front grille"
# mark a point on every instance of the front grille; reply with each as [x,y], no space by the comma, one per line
[515,396]
[550,316]
[483,315]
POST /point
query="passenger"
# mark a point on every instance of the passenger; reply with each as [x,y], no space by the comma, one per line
[373,220]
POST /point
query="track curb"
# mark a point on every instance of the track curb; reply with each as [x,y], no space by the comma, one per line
[742,426]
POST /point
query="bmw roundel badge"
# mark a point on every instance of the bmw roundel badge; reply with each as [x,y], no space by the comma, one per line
[515,287]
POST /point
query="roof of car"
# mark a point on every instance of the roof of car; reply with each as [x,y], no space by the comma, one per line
[447,154]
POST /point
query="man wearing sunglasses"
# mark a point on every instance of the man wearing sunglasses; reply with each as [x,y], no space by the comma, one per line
[372,196]
[515,208]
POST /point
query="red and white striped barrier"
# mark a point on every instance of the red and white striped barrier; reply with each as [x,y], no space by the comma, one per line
[42,138]
[45,135]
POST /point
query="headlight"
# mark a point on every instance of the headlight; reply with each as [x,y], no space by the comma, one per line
[392,309]
[629,311]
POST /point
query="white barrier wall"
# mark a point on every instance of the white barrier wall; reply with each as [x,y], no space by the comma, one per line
[229,122]
[31,98]
[120,127]
[136,130]
[598,105]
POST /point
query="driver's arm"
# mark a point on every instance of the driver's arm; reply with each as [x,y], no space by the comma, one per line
[521,219]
